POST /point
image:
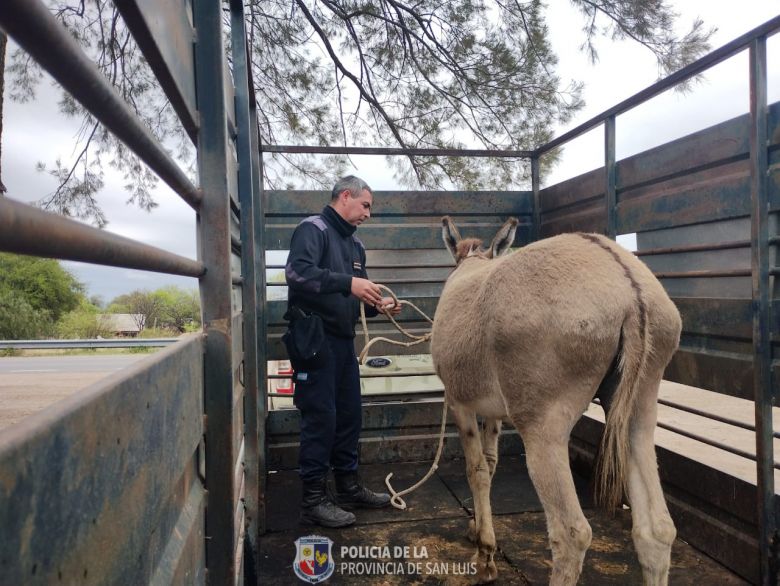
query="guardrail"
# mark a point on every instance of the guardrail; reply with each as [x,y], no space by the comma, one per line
[65,344]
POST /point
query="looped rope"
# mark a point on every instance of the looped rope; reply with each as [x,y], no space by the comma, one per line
[395,498]
[396,303]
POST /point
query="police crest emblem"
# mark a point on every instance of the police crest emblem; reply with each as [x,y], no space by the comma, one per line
[313,560]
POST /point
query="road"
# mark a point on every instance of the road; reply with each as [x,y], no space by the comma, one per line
[29,384]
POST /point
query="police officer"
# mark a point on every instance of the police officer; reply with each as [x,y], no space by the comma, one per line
[326,276]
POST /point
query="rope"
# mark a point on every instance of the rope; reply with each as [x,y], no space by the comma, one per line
[395,498]
[415,338]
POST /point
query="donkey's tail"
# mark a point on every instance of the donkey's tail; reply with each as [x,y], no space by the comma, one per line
[614,452]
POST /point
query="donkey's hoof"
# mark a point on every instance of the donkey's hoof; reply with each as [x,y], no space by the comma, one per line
[485,566]
[471,534]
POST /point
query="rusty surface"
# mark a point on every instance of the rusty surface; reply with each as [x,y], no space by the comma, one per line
[400,235]
[92,488]
[217,292]
[730,374]
[164,34]
[28,230]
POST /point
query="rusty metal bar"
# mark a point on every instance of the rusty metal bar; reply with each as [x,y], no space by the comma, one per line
[695,248]
[709,415]
[146,20]
[416,152]
[368,375]
[728,50]
[216,292]
[247,200]
[710,442]
[400,281]
[262,320]
[703,274]
[537,201]
[28,230]
[34,28]
[610,188]
[393,266]
[762,327]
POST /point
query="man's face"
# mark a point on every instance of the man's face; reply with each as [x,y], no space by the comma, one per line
[355,210]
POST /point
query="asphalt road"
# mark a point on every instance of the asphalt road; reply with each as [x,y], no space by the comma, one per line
[31,383]
[49,364]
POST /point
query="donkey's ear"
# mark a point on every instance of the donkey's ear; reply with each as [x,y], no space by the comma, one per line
[504,238]
[450,235]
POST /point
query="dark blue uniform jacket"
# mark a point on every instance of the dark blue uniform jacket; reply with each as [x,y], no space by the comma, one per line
[324,256]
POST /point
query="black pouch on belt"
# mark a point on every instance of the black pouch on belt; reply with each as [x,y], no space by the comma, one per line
[305,340]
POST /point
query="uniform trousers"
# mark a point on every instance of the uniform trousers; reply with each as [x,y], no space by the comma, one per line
[328,399]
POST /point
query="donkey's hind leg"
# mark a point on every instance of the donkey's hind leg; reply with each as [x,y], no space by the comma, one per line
[653,529]
[478,474]
[547,455]
[491,431]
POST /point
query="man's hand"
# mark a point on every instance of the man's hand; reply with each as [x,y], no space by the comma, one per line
[367,291]
[388,305]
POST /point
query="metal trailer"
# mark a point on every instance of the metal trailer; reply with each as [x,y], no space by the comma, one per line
[159,474]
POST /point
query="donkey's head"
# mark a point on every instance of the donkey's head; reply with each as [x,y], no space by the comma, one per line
[461,248]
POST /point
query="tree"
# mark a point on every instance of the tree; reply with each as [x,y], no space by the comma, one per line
[433,73]
[42,283]
[84,322]
[19,320]
[34,294]
[145,306]
[180,308]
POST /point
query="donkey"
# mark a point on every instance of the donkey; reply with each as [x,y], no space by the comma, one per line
[532,337]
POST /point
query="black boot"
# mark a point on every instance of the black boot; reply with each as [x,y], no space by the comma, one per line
[350,493]
[317,507]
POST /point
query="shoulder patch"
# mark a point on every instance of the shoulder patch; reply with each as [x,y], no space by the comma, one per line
[317,221]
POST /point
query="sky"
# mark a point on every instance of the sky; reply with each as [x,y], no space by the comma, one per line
[36,132]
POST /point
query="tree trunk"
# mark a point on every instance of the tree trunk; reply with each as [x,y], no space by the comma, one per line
[3,43]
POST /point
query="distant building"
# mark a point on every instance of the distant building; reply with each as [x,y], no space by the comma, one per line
[126,325]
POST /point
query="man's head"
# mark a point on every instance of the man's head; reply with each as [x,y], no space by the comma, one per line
[352,199]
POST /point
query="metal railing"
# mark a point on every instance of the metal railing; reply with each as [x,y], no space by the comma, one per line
[86,343]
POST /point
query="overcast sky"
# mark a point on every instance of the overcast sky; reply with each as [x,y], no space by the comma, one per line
[35,132]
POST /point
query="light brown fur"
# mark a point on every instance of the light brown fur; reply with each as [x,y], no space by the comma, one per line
[529,337]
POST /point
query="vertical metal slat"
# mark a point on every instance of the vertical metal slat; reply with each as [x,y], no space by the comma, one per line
[216,289]
[610,195]
[537,203]
[262,320]
[246,194]
[762,358]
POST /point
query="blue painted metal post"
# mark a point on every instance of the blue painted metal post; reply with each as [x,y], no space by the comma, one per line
[216,293]
[536,232]
[762,351]
[262,316]
[610,195]
[247,197]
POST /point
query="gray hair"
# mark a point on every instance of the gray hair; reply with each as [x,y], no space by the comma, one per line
[355,186]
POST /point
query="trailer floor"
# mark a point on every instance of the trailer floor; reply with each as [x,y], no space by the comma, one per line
[433,528]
